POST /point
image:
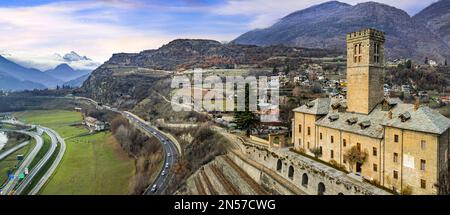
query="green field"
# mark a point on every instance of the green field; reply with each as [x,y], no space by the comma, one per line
[92,164]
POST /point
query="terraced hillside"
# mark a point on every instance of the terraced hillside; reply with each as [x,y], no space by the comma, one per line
[222,177]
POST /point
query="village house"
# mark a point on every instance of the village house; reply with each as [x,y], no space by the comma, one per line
[405,146]
[93,124]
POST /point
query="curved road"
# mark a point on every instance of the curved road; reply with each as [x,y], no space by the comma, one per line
[162,181]
[55,163]
[55,138]
[8,188]
[29,178]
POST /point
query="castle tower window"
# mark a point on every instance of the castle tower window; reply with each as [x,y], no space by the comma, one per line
[375,167]
[395,174]
[423,184]
[309,130]
[422,165]
[344,142]
[376,53]
[395,138]
[423,144]
[332,139]
[374,151]
[320,135]
[358,146]
[300,128]
[395,158]
[331,154]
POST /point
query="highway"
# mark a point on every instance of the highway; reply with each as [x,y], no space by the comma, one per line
[55,138]
[29,178]
[10,185]
[55,163]
[162,180]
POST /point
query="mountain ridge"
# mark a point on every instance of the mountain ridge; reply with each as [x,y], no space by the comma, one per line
[325,26]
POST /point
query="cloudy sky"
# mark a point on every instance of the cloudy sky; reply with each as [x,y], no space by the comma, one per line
[98,28]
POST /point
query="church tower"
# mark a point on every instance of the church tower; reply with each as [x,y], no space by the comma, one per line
[365,67]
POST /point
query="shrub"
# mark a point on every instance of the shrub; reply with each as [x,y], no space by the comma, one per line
[316,151]
[353,156]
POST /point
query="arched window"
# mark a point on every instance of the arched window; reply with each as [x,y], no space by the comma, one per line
[321,189]
[279,165]
[340,194]
[291,172]
[305,180]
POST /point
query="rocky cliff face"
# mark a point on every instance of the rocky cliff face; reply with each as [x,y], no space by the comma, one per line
[110,85]
[326,25]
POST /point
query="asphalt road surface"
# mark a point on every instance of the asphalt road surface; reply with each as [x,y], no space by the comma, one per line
[170,158]
[55,163]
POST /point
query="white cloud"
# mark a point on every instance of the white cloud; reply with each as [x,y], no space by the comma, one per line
[58,28]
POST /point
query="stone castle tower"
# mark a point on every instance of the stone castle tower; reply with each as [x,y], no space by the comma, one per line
[365,67]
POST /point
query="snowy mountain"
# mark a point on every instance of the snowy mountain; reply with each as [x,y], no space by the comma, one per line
[47,62]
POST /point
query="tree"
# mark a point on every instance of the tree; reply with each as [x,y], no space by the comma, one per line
[316,151]
[354,155]
[426,60]
[408,64]
[246,120]
[275,70]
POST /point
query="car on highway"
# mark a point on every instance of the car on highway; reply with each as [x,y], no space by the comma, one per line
[168,154]
[167,165]
[154,188]
[163,173]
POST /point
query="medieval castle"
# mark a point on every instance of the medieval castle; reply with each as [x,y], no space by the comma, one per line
[405,146]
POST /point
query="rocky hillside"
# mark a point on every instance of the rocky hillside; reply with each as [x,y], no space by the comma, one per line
[436,17]
[326,25]
[186,53]
[120,87]
[126,79]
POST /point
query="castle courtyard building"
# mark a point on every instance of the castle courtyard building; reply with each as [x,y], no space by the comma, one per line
[406,145]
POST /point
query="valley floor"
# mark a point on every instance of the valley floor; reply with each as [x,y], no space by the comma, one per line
[92,164]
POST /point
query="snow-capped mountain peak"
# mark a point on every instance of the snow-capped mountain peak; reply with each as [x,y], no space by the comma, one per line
[73,56]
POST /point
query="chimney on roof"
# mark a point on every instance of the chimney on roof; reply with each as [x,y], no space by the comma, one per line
[416,105]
